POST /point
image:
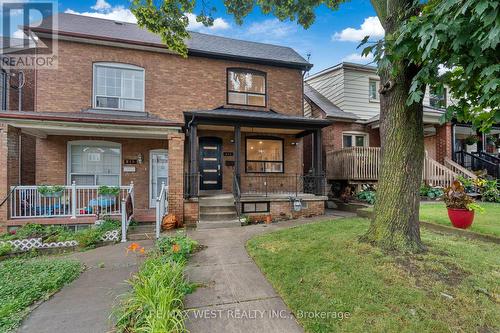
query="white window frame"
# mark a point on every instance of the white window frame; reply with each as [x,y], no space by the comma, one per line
[119,66]
[93,143]
[377,83]
[353,135]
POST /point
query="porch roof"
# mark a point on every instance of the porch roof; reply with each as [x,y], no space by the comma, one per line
[88,123]
[250,118]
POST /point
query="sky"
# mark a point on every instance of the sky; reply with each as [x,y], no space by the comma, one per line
[331,39]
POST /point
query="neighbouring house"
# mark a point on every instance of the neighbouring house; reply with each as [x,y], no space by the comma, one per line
[348,94]
[206,138]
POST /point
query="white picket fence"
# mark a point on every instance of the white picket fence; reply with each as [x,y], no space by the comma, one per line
[23,245]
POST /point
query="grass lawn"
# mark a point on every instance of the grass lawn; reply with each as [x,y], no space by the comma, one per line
[25,281]
[485,223]
[454,287]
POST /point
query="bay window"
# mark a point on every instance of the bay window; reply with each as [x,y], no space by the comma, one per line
[118,86]
[246,87]
[264,155]
[94,163]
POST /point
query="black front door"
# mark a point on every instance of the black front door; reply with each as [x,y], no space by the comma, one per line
[210,164]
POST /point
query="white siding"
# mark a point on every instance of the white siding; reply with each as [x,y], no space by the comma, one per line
[307,109]
[356,97]
[330,85]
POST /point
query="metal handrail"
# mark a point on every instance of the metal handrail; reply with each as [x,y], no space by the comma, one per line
[160,208]
[127,214]
[8,195]
[237,195]
[478,163]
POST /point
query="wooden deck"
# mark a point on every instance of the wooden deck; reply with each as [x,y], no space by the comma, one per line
[362,164]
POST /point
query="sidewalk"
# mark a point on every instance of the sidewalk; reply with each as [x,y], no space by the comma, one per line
[234,296]
[84,306]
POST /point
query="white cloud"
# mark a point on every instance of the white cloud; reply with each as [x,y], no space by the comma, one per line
[273,28]
[219,24]
[118,13]
[370,27]
[358,58]
[19,34]
[101,5]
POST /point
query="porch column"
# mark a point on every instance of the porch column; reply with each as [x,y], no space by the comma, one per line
[443,142]
[317,153]
[9,168]
[237,155]
[176,175]
[193,160]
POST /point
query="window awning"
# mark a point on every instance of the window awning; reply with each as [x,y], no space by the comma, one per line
[42,124]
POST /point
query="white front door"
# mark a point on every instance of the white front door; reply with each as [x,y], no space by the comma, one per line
[158,161]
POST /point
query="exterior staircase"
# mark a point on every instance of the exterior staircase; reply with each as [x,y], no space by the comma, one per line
[144,228]
[217,211]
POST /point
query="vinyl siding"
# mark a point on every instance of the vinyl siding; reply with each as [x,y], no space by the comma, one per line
[330,85]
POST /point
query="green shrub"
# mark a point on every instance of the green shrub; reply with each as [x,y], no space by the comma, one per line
[108,190]
[5,249]
[424,190]
[178,247]
[25,281]
[435,192]
[366,196]
[489,191]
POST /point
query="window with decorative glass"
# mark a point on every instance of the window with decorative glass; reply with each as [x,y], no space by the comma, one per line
[96,163]
[264,155]
[246,87]
[118,86]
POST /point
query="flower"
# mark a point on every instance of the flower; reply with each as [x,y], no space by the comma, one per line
[133,247]
[176,248]
[141,250]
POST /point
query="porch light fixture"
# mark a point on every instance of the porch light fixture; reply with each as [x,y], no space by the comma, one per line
[294,143]
[140,158]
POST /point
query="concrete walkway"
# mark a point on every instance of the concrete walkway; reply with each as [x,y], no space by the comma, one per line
[234,295]
[84,306]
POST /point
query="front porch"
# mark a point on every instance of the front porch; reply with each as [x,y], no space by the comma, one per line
[76,156]
[255,157]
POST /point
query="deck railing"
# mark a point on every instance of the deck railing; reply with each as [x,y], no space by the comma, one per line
[73,201]
[354,163]
[363,164]
[458,169]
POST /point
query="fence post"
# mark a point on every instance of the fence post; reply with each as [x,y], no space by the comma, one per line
[124,222]
[73,200]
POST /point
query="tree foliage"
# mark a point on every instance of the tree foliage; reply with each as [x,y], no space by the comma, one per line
[460,38]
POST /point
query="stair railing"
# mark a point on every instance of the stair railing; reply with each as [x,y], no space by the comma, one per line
[237,195]
[127,211]
[161,205]
[474,162]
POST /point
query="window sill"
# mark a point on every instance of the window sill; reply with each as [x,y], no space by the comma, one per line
[117,112]
[374,100]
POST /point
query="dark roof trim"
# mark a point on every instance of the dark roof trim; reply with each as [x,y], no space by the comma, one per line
[24,115]
[253,120]
[206,54]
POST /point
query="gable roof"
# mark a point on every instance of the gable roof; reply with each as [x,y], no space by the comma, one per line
[78,26]
[331,110]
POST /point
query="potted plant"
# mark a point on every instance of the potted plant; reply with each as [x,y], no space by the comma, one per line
[55,191]
[471,139]
[461,207]
[108,192]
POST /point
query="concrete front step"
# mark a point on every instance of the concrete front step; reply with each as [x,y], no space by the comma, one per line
[217,209]
[141,236]
[210,202]
[218,224]
[218,216]
[141,229]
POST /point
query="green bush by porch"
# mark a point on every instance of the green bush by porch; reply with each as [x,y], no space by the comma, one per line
[26,281]
[323,267]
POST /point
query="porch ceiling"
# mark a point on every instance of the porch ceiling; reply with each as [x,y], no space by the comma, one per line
[43,124]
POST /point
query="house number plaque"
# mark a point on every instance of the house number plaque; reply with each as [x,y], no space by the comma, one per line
[129,161]
[228,153]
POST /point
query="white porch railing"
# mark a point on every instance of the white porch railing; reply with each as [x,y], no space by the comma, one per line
[127,211]
[161,208]
[73,201]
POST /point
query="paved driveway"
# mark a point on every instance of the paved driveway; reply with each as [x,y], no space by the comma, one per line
[234,296]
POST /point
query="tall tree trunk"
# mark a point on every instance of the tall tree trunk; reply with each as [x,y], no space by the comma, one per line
[395,225]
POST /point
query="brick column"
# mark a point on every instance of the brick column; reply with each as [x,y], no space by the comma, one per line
[443,142]
[176,175]
[9,167]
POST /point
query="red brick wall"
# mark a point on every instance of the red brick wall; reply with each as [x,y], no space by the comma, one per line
[9,167]
[51,162]
[443,142]
[173,84]
[191,213]
[176,175]
[28,159]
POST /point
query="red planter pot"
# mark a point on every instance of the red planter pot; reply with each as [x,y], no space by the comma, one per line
[461,218]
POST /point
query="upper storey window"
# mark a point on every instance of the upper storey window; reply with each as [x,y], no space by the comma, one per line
[246,87]
[373,89]
[437,99]
[118,86]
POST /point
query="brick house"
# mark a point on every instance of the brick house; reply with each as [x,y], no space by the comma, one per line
[348,94]
[221,128]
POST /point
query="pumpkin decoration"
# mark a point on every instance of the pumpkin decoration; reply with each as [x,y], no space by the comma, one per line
[169,222]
